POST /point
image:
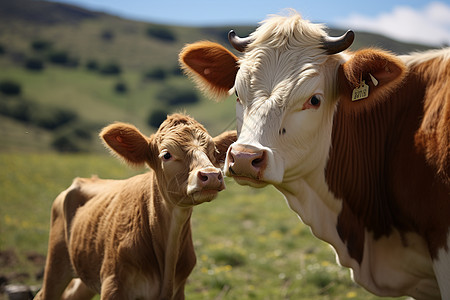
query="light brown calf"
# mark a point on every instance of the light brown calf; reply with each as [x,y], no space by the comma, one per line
[131,239]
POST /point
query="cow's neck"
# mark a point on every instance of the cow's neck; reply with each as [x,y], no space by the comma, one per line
[327,198]
[337,190]
[310,198]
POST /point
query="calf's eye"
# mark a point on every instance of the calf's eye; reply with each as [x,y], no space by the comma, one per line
[167,156]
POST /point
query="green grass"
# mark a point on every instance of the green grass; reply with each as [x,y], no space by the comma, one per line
[249,245]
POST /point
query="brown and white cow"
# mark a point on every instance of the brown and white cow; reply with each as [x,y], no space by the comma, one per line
[371,177]
[131,239]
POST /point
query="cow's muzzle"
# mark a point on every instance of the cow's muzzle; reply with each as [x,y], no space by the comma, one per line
[246,164]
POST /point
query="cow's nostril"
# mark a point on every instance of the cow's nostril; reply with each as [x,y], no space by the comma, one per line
[256,162]
[232,172]
[259,161]
[231,157]
[246,161]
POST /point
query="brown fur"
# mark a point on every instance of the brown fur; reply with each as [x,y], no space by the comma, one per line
[377,169]
[132,238]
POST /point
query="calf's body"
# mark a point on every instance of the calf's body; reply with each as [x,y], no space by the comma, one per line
[131,239]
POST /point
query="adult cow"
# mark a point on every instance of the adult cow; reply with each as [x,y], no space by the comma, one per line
[131,239]
[370,177]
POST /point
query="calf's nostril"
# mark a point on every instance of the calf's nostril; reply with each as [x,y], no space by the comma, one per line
[203,177]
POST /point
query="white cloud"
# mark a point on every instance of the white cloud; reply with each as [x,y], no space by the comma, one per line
[429,25]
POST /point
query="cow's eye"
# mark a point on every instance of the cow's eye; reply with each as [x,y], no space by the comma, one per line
[236,93]
[314,101]
[167,156]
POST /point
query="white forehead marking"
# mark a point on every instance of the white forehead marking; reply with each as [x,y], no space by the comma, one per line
[283,61]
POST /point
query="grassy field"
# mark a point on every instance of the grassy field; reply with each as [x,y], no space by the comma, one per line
[249,245]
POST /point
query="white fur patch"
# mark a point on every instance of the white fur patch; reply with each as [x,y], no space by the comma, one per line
[442,269]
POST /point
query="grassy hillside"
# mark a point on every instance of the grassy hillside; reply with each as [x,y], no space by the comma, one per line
[93,98]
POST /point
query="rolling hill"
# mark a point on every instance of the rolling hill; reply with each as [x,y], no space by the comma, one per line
[78,70]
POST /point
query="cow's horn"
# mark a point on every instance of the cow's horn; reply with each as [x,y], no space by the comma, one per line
[237,42]
[335,45]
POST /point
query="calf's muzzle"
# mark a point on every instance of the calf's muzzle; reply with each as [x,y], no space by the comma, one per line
[210,178]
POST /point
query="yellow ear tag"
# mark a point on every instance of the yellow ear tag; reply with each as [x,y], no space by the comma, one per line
[361,92]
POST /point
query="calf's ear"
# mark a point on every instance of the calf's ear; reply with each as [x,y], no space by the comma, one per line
[212,67]
[222,142]
[127,142]
[381,71]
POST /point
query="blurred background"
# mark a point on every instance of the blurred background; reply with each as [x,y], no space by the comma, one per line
[70,67]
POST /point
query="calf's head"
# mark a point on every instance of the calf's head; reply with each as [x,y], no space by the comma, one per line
[184,157]
[289,81]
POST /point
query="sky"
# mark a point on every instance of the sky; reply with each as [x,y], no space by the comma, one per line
[419,21]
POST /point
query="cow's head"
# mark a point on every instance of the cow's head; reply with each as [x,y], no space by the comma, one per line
[288,82]
[185,158]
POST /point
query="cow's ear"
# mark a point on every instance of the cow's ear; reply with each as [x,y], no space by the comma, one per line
[127,142]
[223,142]
[212,67]
[379,70]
